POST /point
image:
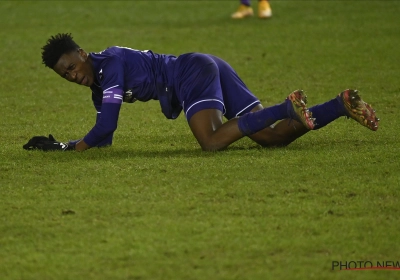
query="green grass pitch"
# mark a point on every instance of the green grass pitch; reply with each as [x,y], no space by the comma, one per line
[154,206]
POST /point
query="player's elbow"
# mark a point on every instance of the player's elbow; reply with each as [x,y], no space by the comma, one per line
[107,128]
[109,131]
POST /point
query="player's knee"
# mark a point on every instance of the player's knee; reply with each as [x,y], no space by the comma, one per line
[209,145]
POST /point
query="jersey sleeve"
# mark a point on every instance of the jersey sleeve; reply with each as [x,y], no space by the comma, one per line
[109,104]
[97,102]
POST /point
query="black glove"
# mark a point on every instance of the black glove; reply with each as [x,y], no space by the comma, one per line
[46,144]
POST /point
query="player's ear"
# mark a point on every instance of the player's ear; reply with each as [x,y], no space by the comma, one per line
[83,54]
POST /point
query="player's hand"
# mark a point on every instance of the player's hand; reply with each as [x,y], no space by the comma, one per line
[47,144]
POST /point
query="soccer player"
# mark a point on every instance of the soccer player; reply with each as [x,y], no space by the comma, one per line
[245,10]
[203,86]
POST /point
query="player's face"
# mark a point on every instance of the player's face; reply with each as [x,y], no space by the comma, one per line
[75,67]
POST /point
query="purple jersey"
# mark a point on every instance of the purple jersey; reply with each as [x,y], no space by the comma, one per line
[140,73]
[124,74]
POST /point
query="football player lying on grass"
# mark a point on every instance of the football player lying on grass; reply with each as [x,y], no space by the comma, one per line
[204,86]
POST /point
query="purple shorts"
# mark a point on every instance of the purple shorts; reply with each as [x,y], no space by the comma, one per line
[204,81]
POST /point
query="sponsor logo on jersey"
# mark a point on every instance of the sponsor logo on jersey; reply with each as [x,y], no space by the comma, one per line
[101,75]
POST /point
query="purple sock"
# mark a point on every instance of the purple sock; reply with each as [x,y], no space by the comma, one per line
[245,2]
[253,122]
[326,113]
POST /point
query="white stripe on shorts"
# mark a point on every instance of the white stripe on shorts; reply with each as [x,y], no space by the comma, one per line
[204,100]
[247,107]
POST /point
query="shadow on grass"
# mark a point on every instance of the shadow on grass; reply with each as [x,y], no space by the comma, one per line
[116,152]
[104,154]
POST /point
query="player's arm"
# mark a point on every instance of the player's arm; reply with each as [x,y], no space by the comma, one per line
[107,120]
[97,102]
[103,129]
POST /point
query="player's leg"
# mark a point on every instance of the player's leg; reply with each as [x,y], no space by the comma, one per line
[264,9]
[239,100]
[199,88]
[243,11]
[279,134]
[237,96]
[212,134]
[348,103]
[286,131]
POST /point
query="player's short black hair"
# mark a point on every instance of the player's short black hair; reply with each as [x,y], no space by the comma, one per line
[56,46]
